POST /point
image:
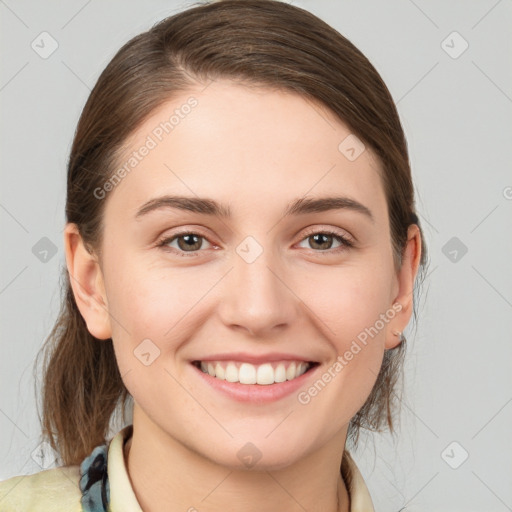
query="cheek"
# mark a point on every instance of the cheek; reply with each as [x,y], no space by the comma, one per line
[155,311]
[148,314]
[350,302]
[350,315]
[140,309]
[145,301]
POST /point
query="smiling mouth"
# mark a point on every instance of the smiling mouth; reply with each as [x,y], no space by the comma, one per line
[263,374]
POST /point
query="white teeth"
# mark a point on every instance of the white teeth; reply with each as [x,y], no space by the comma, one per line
[220,372]
[231,373]
[280,374]
[247,373]
[265,374]
[290,372]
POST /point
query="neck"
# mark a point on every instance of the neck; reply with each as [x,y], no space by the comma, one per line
[167,475]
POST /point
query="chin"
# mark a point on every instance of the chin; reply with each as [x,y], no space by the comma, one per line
[255,455]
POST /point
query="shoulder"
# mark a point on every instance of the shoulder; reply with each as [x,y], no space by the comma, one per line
[55,490]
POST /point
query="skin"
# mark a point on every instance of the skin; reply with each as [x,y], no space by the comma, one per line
[255,150]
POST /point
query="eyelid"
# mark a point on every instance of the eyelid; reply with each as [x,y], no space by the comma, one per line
[163,240]
[331,231]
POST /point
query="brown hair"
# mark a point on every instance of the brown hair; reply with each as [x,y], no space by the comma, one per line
[265,43]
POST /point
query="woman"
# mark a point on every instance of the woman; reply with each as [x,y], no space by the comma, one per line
[242,248]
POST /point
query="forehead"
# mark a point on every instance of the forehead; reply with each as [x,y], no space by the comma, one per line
[247,147]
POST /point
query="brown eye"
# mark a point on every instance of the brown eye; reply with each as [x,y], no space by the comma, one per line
[187,242]
[322,241]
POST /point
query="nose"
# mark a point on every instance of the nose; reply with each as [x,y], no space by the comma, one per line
[257,297]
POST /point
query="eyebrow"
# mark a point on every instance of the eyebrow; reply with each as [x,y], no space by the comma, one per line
[206,206]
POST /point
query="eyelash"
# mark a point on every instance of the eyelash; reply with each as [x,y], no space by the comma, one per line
[345,241]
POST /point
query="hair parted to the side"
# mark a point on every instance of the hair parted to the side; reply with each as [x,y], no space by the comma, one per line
[263,43]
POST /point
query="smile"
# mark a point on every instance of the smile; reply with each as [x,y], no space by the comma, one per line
[246,373]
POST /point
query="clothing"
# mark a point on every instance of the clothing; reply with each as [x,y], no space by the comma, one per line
[101,484]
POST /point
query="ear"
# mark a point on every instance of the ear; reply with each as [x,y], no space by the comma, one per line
[86,279]
[403,302]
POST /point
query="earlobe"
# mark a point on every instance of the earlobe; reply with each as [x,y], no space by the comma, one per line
[86,280]
[406,278]
[398,338]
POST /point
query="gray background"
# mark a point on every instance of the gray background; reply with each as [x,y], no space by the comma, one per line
[456,111]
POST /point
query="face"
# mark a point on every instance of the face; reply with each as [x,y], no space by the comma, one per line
[314,284]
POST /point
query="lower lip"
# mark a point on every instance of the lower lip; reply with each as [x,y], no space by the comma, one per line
[256,393]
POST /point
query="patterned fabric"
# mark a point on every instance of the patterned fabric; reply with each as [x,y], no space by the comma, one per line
[94,481]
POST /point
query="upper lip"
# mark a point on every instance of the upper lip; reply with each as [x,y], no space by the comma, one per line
[255,359]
